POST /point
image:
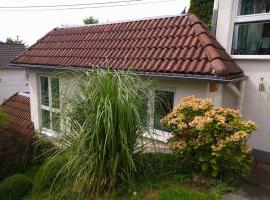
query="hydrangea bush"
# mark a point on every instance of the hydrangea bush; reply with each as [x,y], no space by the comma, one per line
[214,139]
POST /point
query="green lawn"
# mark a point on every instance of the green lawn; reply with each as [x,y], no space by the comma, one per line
[163,187]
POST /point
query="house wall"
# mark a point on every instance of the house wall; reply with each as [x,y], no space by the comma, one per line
[256,104]
[182,88]
[12,80]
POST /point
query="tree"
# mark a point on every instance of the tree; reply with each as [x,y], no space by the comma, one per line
[90,20]
[14,41]
[203,9]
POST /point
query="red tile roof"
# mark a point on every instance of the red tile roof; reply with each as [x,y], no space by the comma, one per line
[176,44]
[18,109]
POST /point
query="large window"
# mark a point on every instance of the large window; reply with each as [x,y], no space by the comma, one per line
[162,106]
[251,35]
[49,95]
[249,7]
[251,38]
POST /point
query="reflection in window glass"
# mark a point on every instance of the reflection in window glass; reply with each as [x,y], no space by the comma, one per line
[45,116]
[251,39]
[55,121]
[44,85]
[163,105]
[249,7]
[55,92]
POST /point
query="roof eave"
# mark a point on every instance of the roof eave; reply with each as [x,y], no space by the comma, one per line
[219,79]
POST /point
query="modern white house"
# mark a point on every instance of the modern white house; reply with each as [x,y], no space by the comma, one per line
[178,52]
[12,80]
[243,29]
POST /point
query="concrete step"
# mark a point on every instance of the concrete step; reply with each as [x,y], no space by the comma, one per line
[260,175]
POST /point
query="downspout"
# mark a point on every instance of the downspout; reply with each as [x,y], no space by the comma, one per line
[239,93]
[215,17]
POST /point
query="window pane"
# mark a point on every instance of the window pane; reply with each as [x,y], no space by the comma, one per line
[45,118]
[163,105]
[55,121]
[249,7]
[44,86]
[251,39]
[55,92]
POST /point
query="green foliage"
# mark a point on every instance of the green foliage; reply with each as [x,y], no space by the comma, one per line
[50,173]
[105,119]
[219,186]
[15,187]
[14,41]
[182,193]
[215,139]
[203,9]
[41,148]
[90,20]
[156,165]
[3,118]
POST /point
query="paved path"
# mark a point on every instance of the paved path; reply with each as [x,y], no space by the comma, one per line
[249,192]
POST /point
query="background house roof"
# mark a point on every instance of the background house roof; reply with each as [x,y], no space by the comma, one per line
[18,109]
[9,51]
[175,44]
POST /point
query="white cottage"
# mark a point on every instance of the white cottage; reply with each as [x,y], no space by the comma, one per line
[177,51]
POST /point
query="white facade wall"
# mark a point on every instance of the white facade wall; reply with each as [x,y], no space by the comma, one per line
[256,104]
[181,88]
[12,80]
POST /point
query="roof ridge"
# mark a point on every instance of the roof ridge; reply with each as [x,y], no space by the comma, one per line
[122,21]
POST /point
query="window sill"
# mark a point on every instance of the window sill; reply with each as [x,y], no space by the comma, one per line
[252,18]
[251,57]
[158,135]
[48,132]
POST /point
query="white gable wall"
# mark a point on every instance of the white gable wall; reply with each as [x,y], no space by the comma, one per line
[12,80]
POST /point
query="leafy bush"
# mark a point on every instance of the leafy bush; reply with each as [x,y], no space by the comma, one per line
[209,137]
[15,187]
[50,173]
[105,119]
[13,153]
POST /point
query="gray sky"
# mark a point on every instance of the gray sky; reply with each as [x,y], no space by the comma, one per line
[31,25]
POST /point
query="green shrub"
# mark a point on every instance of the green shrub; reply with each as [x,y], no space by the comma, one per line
[50,173]
[15,187]
[13,154]
[215,139]
[104,118]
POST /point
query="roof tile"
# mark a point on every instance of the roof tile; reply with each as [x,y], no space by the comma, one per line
[18,109]
[177,44]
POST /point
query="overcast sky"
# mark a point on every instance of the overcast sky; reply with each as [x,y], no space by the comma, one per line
[31,25]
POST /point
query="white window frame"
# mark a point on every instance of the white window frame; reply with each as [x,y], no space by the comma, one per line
[156,133]
[245,19]
[49,108]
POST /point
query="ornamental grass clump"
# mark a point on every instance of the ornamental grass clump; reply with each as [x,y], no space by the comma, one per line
[214,139]
[103,121]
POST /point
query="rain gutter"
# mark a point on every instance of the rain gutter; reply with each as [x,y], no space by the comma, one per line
[217,79]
